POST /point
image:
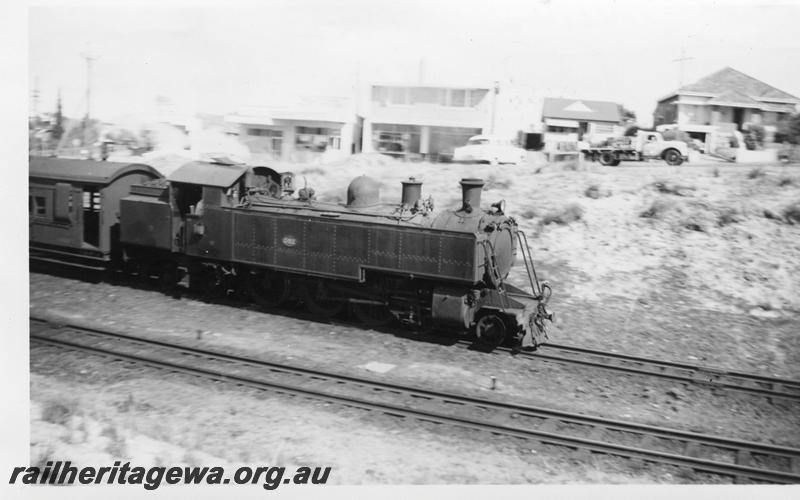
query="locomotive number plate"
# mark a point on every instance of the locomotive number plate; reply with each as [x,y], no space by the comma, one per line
[289,241]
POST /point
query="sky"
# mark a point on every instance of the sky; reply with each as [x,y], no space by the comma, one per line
[212,58]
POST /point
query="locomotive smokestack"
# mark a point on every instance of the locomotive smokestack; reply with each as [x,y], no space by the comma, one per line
[471,194]
[412,191]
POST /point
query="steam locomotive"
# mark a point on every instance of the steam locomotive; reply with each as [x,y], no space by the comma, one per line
[229,226]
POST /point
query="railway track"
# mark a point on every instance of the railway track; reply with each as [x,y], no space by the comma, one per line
[715,378]
[740,460]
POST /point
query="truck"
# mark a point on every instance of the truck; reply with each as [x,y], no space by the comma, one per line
[645,145]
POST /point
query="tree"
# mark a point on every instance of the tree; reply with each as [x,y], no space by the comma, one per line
[631,131]
[628,115]
[789,130]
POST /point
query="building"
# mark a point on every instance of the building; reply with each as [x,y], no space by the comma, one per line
[727,100]
[567,121]
[311,129]
[582,118]
[426,121]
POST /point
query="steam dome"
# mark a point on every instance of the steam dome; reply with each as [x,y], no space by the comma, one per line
[362,192]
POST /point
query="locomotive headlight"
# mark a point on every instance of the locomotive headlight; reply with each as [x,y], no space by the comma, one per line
[500,207]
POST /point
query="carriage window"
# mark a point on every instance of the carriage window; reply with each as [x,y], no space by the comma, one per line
[36,205]
[91,200]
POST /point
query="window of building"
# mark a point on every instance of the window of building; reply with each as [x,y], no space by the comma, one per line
[475,96]
[264,132]
[603,128]
[380,94]
[458,98]
[395,139]
[317,138]
[398,95]
[561,130]
[427,95]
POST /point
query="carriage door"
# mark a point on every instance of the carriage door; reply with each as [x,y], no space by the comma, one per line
[63,211]
[91,215]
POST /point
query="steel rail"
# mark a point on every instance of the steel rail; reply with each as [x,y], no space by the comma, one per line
[751,383]
[546,434]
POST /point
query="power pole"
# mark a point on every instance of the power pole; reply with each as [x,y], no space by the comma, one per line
[682,60]
[89,58]
[35,99]
[494,105]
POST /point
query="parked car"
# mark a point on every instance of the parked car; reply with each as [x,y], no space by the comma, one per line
[489,149]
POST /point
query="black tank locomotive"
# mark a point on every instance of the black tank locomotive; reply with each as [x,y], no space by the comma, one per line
[230,226]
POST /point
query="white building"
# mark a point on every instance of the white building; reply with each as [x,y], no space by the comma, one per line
[310,129]
[426,121]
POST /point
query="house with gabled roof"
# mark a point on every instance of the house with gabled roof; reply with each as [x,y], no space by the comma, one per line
[727,100]
[581,116]
[567,121]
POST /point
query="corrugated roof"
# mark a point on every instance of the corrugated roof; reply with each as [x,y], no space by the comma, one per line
[83,171]
[581,109]
[729,79]
[208,174]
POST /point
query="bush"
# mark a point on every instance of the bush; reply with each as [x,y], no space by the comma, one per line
[58,411]
[666,187]
[750,142]
[789,130]
[528,214]
[117,447]
[727,216]
[785,181]
[757,134]
[657,209]
[715,172]
[594,192]
[565,215]
[792,213]
[756,173]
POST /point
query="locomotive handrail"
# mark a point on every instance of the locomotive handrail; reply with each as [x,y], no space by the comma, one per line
[525,249]
[494,273]
[328,207]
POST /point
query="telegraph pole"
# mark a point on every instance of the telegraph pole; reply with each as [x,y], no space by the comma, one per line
[89,58]
[494,104]
[682,60]
[35,99]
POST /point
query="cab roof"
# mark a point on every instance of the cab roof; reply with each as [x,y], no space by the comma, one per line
[208,174]
[84,171]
